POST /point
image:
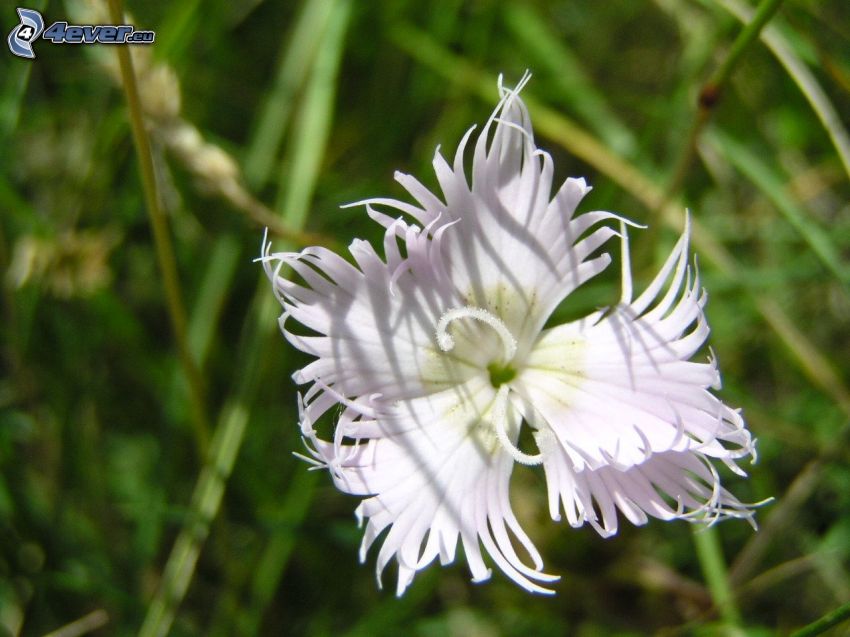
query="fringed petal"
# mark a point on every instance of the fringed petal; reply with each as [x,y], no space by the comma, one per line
[516,250]
[674,485]
[373,322]
[438,476]
[619,389]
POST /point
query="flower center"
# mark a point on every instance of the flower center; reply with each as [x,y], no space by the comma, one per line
[500,374]
[500,371]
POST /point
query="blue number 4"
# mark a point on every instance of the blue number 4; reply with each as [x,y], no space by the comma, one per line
[56,32]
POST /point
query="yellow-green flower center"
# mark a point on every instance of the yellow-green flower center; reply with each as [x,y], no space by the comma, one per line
[500,373]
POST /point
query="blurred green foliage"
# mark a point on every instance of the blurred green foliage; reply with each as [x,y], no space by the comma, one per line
[312,104]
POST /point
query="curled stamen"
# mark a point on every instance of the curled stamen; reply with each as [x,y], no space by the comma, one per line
[500,423]
[447,342]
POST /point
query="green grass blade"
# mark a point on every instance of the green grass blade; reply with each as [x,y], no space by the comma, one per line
[178,29]
[300,169]
[206,310]
[223,261]
[805,80]
[710,554]
[566,72]
[209,490]
[295,60]
[227,441]
[713,89]
[288,519]
[306,152]
[826,622]
[773,186]
[558,127]
[162,240]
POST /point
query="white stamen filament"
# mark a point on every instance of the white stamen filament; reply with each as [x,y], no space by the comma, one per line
[500,423]
[447,342]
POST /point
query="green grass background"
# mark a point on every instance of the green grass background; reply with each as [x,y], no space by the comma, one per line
[132,496]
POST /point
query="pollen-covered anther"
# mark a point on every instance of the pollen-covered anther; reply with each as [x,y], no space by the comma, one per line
[447,342]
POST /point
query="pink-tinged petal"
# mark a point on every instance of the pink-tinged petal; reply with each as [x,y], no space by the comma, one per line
[516,250]
[370,325]
[437,475]
[619,387]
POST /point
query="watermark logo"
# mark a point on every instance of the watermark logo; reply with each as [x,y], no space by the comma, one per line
[21,38]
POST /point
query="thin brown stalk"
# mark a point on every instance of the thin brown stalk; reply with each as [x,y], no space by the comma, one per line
[162,239]
[712,91]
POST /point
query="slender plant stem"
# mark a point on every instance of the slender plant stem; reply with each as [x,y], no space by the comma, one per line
[83,626]
[713,567]
[833,618]
[712,91]
[230,430]
[162,239]
[206,498]
[833,123]
[293,65]
[764,12]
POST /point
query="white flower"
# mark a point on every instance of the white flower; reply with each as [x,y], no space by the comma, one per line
[436,355]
